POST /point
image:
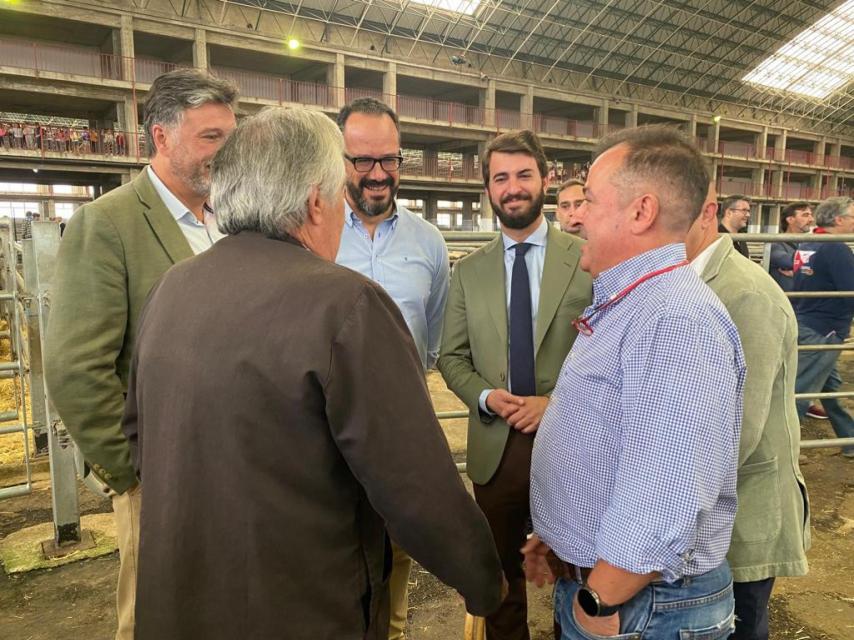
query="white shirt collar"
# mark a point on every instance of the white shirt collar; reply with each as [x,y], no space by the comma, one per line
[538,236]
[177,208]
[699,263]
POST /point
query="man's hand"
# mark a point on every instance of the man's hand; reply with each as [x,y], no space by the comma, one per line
[503,403]
[536,562]
[605,626]
[527,416]
[787,272]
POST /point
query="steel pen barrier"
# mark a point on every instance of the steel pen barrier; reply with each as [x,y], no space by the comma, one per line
[464,241]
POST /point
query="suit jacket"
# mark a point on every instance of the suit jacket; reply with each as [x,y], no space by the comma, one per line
[113,251]
[771,532]
[279,416]
[473,356]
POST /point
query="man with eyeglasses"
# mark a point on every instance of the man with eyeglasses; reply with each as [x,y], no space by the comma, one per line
[400,251]
[735,213]
[794,218]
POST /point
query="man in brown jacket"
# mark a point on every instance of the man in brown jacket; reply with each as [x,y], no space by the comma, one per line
[265,395]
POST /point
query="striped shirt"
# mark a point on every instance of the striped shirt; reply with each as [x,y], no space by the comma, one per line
[635,459]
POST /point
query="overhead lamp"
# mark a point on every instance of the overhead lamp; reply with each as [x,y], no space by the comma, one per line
[716,119]
[294,44]
[458,60]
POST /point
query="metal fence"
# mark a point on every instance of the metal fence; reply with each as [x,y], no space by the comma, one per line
[27,271]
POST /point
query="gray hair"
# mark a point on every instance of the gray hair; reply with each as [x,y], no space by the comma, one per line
[663,156]
[262,177]
[827,211]
[173,92]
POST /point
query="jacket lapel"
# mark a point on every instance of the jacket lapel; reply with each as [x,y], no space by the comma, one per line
[160,220]
[490,269]
[560,264]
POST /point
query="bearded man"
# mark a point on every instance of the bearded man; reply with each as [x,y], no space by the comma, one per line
[508,327]
[404,254]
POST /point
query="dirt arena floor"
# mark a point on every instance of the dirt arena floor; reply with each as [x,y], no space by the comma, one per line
[76,600]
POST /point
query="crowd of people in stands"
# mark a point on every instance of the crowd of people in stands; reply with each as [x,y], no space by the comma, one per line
[81,140]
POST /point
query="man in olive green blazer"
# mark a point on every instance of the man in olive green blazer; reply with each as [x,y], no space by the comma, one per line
[112,253]
[771,531]
[475,361]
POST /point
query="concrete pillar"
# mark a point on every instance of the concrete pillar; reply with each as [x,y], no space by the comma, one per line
[773,225]
[816,186]
[486,215]
[125,46]
[335,74]
[833,148]
[602,119]
[486,100]
[777,184]
[526,108]
[200,50]
[431,208]
[390,85]
[468,215]
[820,151]
[780,149]
[756,179]
[632,117]
[833,184]
[762,143]
[127,124]
[716,136]
[692,127]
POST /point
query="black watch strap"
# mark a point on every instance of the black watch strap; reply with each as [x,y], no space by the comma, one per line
[592,605]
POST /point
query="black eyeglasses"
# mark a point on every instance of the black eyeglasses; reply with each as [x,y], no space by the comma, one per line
[364,164]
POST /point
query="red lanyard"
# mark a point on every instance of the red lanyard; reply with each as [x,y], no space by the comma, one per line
[582,324]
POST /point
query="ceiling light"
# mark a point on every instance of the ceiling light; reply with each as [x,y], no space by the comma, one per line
[294,44]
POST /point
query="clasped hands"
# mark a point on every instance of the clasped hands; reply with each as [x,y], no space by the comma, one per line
[523,413]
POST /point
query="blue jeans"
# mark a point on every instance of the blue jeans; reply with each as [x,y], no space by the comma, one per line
[693,608]
[817,374]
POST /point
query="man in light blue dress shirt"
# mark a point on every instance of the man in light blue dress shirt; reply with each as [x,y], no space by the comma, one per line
[633,474]
[403,253]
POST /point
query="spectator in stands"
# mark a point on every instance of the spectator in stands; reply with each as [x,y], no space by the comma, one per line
[633,475]
[825,266]
[18,135]
[507,331]
[109,142]
[794,218]
[735,212]
[570,198]
[121,144]
[317,468]
[95,141]
[29,136]
[4,130]
[771,532]
[414,267]
[117,248]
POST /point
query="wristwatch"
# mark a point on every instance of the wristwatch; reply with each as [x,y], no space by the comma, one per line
[591,604]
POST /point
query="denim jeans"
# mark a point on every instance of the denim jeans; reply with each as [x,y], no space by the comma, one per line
[693,608]
[817,374]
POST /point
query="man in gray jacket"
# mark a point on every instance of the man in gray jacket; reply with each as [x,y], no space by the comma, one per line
[771,532]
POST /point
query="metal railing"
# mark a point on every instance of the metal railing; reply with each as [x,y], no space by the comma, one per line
[467,241]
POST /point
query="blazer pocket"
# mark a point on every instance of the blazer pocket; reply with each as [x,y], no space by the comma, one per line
[759,516]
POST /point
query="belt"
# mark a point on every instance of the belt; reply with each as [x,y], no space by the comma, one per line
[579,574]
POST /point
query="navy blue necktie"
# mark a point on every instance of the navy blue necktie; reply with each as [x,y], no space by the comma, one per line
[522,380]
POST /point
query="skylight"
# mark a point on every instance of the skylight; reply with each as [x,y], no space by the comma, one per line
[817,62]
[467,7]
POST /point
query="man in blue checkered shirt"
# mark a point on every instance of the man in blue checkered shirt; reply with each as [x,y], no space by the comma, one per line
[633,476]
